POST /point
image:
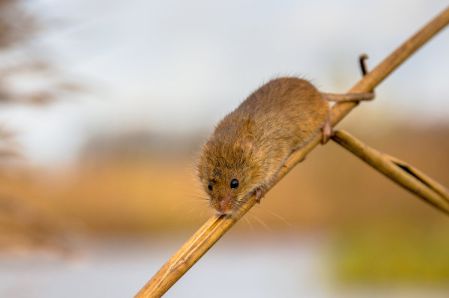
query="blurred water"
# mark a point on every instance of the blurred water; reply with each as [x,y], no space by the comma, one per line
[242,268]
[285,266]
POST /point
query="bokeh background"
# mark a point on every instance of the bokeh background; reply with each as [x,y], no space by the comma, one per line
[104,106]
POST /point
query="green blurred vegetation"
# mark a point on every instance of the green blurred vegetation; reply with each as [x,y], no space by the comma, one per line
[387,255]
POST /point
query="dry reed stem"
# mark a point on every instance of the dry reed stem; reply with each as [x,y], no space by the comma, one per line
[215,227]
[400,172]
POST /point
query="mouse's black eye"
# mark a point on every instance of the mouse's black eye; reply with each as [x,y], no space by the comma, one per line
[209,186]
[234,183]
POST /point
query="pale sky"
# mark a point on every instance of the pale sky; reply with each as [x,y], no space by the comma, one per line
[178,66]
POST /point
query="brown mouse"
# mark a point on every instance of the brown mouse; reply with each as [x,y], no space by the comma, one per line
[250,145]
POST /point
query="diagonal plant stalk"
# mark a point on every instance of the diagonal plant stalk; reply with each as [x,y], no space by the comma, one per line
[400,172]
[216,226]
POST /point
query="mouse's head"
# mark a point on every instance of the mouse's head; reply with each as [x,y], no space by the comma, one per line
[229,173]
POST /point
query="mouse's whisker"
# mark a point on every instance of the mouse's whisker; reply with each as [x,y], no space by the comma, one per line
[251,226]
[199,197]
[261,222]
[278,216]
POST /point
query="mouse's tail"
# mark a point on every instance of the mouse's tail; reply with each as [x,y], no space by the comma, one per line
[340,97]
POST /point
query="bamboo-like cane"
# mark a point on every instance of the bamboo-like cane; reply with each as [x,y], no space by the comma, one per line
[400,172]
[215,227]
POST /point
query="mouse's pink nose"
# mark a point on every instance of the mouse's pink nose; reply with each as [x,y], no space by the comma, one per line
[224,205]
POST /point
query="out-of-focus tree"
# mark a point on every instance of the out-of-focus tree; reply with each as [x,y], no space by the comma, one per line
[15,24]
[17,27]
[22,224]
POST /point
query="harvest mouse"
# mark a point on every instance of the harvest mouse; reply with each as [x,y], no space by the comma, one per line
[249,146]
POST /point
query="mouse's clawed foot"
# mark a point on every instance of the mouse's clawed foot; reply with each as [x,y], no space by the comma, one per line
[260,193]
[327,132]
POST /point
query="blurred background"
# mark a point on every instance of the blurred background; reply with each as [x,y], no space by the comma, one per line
[104,106]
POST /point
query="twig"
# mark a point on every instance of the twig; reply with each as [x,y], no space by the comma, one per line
[400,172]
[215,227]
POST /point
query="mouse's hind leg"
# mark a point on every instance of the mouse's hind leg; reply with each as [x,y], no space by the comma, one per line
[326,131]
[327,127]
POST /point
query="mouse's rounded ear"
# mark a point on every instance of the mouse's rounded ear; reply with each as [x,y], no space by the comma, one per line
[249,146]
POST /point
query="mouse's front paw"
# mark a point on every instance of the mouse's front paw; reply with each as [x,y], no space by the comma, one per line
[260,193]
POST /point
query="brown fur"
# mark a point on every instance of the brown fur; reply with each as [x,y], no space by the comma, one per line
[252,143]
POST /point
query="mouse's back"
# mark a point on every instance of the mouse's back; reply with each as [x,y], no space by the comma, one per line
[287,110]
